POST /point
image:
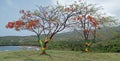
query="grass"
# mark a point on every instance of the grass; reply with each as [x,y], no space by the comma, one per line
[57,56]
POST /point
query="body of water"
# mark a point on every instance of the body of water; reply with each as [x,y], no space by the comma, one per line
[15,48]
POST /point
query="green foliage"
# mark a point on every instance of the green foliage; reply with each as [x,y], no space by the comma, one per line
[107,46]
[18,40]
[66,45]
[101,46]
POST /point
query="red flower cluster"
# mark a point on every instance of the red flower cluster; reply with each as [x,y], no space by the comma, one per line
[25,14]
[20,24]
[17,24]
[32,24]
[92,20]
[10,25]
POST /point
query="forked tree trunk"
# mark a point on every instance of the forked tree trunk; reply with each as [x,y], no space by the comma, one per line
[44,46]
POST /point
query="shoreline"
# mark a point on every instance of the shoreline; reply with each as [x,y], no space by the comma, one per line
[14,48]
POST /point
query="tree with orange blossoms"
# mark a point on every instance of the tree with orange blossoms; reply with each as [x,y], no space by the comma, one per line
[27,22]
[47,21]
[54,19]
[90,20]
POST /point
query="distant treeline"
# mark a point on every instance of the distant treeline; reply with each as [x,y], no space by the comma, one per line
[108,42]
[100,46]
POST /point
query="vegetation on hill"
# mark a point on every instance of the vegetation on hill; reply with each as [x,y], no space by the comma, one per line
[70,41]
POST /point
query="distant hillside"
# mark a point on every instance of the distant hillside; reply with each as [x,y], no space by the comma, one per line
[108,42]
[32,40]
[58,37]
[61,36]
[17,38]
[106,34]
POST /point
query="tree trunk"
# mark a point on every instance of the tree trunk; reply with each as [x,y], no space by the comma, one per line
[94,38]
[44,46]
[45,43]
[41,44]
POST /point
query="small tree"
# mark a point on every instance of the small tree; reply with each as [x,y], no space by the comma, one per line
[90,20]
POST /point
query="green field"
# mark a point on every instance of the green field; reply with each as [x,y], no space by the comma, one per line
[57,56]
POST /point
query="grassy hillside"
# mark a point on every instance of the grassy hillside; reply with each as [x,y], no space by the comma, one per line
[58,56]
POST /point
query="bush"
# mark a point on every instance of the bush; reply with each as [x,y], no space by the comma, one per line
[66,45]
[107,46]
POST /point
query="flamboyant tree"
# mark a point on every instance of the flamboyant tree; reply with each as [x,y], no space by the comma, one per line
[86,21]
[90,20]
[46,21]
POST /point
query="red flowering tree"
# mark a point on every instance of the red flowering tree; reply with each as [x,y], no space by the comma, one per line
[47,21]
[90,20]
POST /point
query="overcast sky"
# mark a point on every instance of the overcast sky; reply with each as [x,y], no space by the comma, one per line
[9,11]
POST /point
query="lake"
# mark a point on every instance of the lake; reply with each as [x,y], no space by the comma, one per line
[14,48]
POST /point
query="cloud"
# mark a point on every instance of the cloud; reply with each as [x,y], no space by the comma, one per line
[111,7]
